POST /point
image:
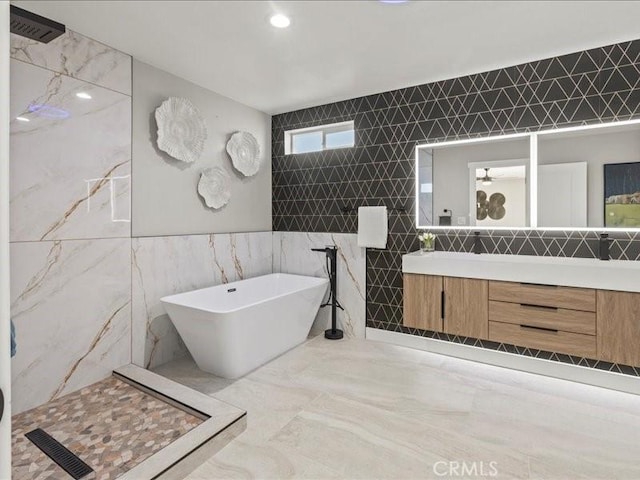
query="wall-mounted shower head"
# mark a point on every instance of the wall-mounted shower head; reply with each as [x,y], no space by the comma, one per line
[34,26]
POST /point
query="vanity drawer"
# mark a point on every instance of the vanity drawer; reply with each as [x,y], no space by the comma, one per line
[547,317]
[544,295]
[553,341]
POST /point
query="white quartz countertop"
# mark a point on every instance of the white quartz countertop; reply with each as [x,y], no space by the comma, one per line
[621,275]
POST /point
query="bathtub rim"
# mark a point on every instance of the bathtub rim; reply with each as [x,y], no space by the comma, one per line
[171,299]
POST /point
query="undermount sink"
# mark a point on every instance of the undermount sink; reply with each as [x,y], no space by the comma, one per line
[573,272]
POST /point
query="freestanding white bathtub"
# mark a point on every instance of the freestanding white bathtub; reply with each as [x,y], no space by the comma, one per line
[234,328]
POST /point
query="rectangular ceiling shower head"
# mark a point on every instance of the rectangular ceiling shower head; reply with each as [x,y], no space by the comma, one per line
[34,26]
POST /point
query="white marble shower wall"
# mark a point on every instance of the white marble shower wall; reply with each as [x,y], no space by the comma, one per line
[71,162]
[292,254]
[71,304]
[70,215]
[167,265]
[79,57]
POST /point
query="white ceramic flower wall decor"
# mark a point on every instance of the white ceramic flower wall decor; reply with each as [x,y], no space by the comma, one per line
[181,129]
[244,151]
[215,187]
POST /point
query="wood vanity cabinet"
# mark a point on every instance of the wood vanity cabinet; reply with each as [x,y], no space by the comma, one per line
[585,322]
[466,310]
[619,327]
[423,302]
[458,306]
[544,317]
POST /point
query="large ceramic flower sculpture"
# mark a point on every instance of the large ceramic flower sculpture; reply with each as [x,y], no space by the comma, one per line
[215,187]
[244,151]
[181,129]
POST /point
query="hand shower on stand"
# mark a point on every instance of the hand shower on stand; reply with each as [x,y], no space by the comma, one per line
[331,253]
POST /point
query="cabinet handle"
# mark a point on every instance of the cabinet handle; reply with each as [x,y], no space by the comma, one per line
[442,301]
[536,307]
[541,285]
[552,330]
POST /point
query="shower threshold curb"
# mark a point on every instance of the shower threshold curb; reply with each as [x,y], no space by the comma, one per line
[222,423]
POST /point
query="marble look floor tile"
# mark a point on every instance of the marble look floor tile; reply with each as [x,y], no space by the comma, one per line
[349,445]
[539,409]
[71,305]
[418,391]
[168,265]
[379,443]
[268,393]
[71,163]
[559,432]
[369,410]
[185,370]
[563,466]
[246,460]
[288,365]
[599,401]
[79,57]
[274,405]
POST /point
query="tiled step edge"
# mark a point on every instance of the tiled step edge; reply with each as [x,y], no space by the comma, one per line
[222,422]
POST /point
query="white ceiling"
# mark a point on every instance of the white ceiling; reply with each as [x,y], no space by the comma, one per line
[336,50]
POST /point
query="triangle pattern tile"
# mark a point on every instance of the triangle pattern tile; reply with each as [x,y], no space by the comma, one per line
[592,86]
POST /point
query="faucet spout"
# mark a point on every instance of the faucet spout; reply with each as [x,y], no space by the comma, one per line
[603,247]
[477,243]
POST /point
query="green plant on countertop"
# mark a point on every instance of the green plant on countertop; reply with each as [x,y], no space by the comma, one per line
[427,241]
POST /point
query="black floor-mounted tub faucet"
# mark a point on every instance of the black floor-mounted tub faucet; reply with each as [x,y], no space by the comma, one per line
[331,252]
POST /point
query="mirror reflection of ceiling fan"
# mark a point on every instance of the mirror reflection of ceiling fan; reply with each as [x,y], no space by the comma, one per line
[486,179]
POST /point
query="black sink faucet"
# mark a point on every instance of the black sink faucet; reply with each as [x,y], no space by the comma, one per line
[603,247]
[477,243]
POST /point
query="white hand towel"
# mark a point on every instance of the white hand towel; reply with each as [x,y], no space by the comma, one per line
[372,227]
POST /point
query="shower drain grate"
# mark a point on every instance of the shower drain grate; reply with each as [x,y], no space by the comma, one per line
[60,454]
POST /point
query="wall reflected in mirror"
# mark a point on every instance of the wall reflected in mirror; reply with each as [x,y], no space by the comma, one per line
[480,184]
[589,178]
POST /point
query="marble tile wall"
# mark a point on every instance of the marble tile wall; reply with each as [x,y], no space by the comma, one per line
[70,215]
[292,254]
[167,265]
[71,305]
[78,57]
[71,160]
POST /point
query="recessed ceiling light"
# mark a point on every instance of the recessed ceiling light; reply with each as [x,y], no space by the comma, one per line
[83,95]
[23,119]
[393,1]
[280,21]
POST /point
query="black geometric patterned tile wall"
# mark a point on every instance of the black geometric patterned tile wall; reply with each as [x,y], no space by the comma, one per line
[309,190]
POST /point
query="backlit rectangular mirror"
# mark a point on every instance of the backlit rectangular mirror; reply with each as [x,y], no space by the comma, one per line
[474,184]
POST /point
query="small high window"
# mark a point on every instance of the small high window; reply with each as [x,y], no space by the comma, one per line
[316,139]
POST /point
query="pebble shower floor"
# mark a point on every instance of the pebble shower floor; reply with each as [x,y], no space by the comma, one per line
[111,425]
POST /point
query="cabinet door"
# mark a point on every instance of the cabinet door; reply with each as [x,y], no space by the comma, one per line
[618,327]
[466,310]
[423,302]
